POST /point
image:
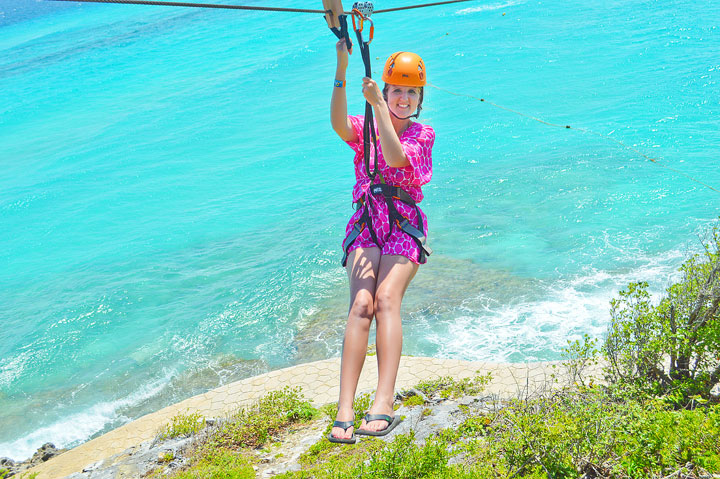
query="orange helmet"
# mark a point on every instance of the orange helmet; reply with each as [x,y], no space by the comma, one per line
[404,69]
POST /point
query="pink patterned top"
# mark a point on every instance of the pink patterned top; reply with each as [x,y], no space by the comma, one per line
[417,142]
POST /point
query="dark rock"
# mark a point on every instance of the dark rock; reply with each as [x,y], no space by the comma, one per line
[46,452]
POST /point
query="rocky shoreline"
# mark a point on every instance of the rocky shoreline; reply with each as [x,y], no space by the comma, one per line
[46,452]
[170,455]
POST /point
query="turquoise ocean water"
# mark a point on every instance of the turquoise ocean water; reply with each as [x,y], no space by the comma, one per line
[173,199]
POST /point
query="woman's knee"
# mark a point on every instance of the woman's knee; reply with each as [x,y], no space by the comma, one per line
[385,302]
[362,307]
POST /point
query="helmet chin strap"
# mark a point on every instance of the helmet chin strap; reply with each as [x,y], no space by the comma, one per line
[404,118]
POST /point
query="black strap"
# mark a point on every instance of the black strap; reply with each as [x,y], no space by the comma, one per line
[363,221]
[392,191]
[369,125]
[394,217]
[343,31]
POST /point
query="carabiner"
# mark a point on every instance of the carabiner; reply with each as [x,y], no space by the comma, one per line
[357,12]
[372,29]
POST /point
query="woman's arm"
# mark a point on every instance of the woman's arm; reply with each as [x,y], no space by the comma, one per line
[389,141]
[338,103]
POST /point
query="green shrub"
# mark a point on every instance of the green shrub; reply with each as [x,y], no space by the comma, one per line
[219,464]
[413,401]
[571,434]
[578,356]
[672,348]
[183,425]
[404,459]
[371,458]
[253,426]
[223,455]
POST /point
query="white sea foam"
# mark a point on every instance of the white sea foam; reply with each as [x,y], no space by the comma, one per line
[76,428]
[486,8]
[538,329]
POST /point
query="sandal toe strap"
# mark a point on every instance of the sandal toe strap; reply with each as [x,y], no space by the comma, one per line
[378,417]
[344,424]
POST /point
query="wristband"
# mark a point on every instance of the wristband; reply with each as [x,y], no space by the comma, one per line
[340,83]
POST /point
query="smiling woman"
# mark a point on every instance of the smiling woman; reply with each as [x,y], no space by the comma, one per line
[385,238]
[403,100]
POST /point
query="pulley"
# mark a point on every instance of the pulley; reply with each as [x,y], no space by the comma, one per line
[365,8]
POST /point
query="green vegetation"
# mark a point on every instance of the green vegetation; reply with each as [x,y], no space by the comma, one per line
[252,427]
[183,425]
[3,473]
[325,455]
[672,348]
[567,435]
[224,453]
[590,433]
[413,401]
[448,387]
[219,464]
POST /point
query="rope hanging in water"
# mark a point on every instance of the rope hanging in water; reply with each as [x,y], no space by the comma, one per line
[584,130]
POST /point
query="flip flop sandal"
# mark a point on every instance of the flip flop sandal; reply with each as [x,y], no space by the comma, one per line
[392,422]
[344,425]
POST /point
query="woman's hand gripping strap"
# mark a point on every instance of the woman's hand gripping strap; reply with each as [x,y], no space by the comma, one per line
[337,21]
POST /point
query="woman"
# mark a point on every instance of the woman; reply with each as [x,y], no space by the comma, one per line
[384,242]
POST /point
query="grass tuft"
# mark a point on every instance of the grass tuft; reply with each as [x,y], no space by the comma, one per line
[449,387]
[183,425]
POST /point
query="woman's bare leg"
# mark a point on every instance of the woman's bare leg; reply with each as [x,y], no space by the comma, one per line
[362,268]
[394,276]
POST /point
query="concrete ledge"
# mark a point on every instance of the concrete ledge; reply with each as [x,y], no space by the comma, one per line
[320,383]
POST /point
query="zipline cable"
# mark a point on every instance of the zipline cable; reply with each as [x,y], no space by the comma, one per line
[396,9]
[583,130]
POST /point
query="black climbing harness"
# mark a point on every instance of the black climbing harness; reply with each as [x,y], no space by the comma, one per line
[395,218]
[362,10]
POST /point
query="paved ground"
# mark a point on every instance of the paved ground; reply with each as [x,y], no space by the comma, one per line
[320,383]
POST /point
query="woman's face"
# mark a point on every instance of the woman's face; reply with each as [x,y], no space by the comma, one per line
[403,100]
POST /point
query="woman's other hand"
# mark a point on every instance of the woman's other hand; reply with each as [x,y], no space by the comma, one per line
[342,54]
[371,92]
